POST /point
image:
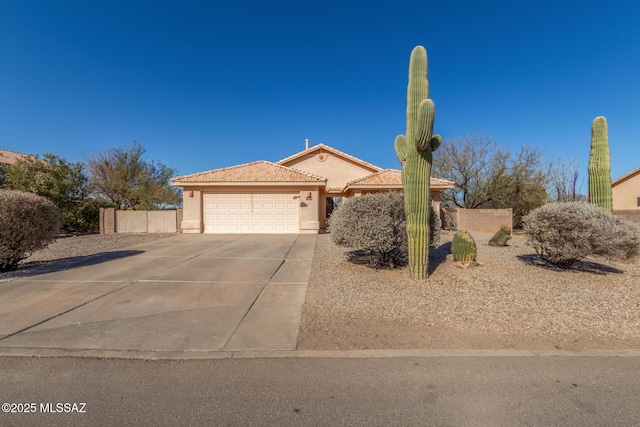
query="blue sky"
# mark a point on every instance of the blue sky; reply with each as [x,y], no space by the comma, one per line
[203,85]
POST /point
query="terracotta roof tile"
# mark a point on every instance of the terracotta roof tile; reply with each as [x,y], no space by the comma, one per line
[392,178]
[250,173]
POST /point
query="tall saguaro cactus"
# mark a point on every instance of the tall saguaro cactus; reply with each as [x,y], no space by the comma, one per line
[414,150]
[600,165]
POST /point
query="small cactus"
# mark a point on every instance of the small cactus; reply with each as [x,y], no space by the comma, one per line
[464,247]
[501,237]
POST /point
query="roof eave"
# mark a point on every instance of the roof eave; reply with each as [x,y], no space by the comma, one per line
[626,177]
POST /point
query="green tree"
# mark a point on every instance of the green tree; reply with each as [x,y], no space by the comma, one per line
[490,176]
[62,182]
[127,181]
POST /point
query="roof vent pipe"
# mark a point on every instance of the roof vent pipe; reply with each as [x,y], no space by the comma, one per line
[306,144]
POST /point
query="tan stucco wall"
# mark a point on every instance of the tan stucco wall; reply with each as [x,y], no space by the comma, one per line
[309,210]
[192,211]
[626,193]
[337,170]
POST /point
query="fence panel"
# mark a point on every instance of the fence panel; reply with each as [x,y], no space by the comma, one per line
[131,221]
[117,221]
[162,222]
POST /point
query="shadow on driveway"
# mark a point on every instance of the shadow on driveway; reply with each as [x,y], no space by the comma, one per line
[35,268]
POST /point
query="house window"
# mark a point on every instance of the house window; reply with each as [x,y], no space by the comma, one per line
[638,201]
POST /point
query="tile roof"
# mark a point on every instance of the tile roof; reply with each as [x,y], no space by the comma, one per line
[441,183]
[392,178]
[385,178]
[8,157]
[320,147]
[260,172]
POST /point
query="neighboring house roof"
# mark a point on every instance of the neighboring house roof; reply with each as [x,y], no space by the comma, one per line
[626,177]
[321,147]
[260,172]
[392,178]
[8,157]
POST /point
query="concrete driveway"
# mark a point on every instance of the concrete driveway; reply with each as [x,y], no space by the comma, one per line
[184,293]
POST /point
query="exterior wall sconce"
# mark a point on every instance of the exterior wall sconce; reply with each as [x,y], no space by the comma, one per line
[309,195]
[190,193]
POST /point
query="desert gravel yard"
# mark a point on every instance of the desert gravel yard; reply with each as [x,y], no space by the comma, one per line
[511,301]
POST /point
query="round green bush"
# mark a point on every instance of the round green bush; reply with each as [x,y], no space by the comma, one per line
[28,222]
[564,233]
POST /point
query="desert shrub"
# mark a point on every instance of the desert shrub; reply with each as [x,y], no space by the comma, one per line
[374,222]
[28,222]
[563,233]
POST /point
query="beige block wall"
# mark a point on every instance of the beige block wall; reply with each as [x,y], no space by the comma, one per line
[107,220]
[629,215]
[625,194]
[484,220]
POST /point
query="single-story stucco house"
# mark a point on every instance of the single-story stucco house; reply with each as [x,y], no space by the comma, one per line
[294,195]
[626,191]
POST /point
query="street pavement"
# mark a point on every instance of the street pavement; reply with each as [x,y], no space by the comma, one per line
[398,391]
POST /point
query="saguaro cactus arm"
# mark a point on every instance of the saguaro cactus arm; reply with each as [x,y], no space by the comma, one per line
[426,116]
[401,148]
[435,142]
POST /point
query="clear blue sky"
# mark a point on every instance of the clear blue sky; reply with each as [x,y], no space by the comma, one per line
[208,84]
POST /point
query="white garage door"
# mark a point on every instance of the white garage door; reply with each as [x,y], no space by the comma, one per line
[251,212]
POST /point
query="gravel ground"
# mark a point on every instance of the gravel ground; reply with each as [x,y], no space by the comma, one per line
[512,300]
[66,248]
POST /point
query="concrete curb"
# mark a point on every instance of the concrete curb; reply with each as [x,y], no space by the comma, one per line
[301,354]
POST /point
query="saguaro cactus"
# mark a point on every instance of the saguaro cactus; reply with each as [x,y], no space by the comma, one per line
[600,165]
[414,150]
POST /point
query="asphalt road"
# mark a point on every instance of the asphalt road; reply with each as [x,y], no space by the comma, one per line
[407,391]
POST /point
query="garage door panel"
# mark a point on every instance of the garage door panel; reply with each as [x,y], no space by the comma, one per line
[251,213]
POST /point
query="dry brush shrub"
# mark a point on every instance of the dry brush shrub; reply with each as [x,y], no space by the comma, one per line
[564,233]
[374,222]
[28,222]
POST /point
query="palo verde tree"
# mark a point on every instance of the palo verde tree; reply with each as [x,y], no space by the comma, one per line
[127,181]
[415,153]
